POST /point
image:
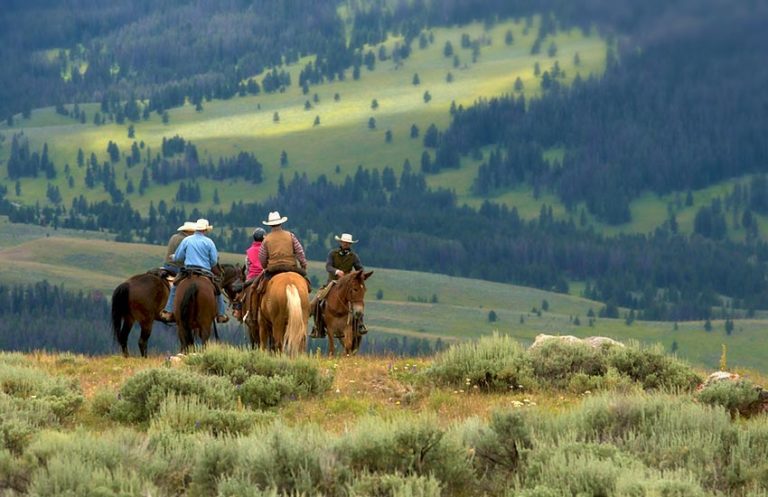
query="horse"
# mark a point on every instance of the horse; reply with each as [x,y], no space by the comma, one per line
[344,306]
[195,310]
[283,313]
[138,300]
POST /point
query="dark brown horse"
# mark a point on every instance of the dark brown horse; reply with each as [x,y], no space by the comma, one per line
[284,312]
[138,300]
[344,307]
[195,310]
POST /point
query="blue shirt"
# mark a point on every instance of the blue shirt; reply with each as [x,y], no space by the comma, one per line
[197,250]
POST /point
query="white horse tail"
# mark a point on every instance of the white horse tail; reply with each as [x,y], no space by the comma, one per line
[296,328]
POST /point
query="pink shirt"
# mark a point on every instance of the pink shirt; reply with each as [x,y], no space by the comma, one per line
[252,260]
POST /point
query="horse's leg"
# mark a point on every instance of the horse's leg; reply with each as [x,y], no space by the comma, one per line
[331,342]
[122,336]
[146,332]
[349,339]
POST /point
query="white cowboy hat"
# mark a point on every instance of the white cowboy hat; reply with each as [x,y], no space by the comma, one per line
[274,219]
[187,226]
[345,237]
[203,225]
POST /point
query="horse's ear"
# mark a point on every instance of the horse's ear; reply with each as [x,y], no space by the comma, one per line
[367,275]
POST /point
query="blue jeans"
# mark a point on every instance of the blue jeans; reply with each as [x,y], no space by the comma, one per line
[172,295]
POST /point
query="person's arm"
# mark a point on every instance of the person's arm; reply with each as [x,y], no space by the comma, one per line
[214,254]
[298,250]
[357,264]
[263,255]
[329,263]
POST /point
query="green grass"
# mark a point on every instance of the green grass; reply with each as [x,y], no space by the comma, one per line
[461,312]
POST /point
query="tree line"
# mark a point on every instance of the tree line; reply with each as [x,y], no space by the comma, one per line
[682,112]
[406,225]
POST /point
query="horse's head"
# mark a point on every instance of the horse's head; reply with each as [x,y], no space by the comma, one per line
[352,287]
[231,279]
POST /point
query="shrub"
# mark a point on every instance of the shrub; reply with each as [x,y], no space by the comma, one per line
[555,362]
[653,368]
[189,415]
[293,461]
[61,396]
[737,397]
[492,363]
[395,486]
[142,394]
[414,447]
[82,463]
[241,365]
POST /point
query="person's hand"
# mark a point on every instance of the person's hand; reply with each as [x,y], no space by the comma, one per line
[339,273]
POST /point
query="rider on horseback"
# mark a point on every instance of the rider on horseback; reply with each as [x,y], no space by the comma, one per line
[252,270]
[183,231]
[339,262]
[198,253]
[280,251]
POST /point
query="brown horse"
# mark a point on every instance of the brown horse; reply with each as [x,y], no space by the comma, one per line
[344,306]
[284,312]
[138,300]
[195,310]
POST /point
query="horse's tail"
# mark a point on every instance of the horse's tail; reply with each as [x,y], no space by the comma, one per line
[187,310]
[296,329]
[120,307]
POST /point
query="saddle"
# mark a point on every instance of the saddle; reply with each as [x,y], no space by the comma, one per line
[188,271]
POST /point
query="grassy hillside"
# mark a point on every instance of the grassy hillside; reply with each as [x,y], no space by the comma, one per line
[343,138]
[419,305]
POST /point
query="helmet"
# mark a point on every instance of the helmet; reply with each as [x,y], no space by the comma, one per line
[259,234]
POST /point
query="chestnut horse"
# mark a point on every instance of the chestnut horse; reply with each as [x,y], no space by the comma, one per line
[344,307]
[195,310]
[138,300]
[283,313]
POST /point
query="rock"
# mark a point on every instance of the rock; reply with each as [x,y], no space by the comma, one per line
[594,342]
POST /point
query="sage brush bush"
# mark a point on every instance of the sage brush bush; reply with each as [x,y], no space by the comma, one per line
[189,415]
[31,399]
[737,397]
[413,447]
[262,379]
[555,362]
[496,363]
[142,394]
[653,368]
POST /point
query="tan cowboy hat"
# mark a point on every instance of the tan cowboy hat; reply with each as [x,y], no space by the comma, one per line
[187,226]
[345,237]
[274,219]
[203,225]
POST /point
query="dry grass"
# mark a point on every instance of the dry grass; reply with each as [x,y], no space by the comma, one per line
[385,387]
